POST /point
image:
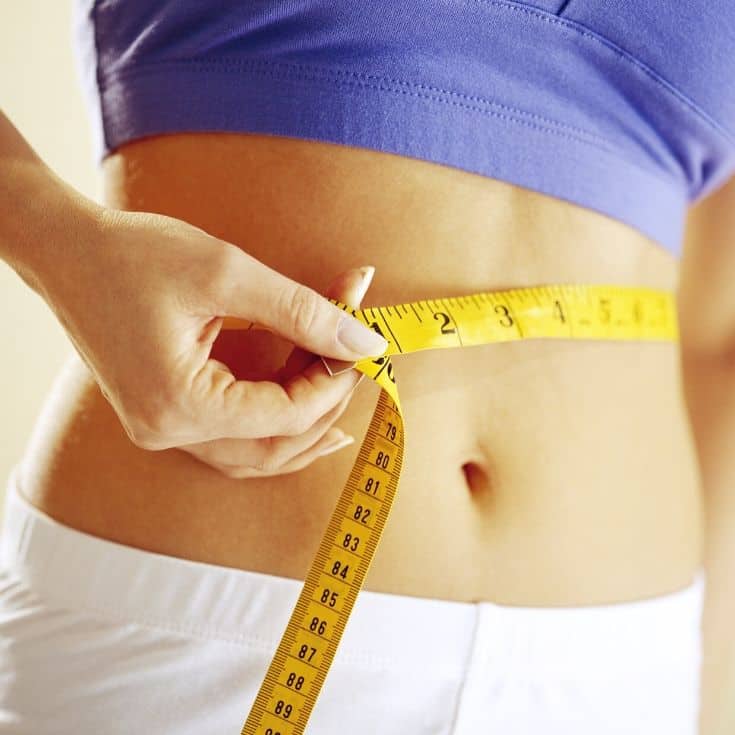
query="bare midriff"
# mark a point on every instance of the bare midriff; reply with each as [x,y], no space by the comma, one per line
[537,472]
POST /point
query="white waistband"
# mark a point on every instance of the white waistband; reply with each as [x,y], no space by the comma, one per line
[73,569]
[76,570]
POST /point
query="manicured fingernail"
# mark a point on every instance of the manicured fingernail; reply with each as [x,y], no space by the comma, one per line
[343,441]
[367,271]
[358,338]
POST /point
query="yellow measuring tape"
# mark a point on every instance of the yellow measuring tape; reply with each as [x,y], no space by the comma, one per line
[309,643]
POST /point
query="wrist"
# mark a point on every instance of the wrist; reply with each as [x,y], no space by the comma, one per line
[46,225]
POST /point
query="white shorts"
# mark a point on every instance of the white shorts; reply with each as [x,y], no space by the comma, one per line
[98,637]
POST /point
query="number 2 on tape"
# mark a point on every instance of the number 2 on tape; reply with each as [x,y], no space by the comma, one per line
[308,645]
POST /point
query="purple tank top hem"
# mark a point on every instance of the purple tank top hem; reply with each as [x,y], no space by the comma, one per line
[603,118]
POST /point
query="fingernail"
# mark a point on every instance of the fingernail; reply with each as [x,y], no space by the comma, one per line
[337,444]
[367,271]
[358,338]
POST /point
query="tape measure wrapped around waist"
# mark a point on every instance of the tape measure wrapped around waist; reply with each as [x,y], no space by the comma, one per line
[568,311]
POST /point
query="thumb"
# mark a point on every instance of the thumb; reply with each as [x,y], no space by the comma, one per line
[255,292]
[350,288]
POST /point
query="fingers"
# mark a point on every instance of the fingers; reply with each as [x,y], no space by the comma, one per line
[215,405]
[254,409]
[264,408]
[351,285]
[253,291]
[298,360]
[239,458]
[243,457]
[334,440]
[350,288]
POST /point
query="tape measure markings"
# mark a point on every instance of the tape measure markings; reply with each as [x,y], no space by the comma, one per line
[385,321]
[308,645]
[456,326]
[514,318]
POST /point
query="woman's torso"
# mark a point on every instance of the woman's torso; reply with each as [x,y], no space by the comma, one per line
[555,471]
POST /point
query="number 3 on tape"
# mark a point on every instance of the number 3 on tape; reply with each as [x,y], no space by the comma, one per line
[309,643]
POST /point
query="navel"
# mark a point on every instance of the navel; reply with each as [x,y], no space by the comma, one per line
[477,477]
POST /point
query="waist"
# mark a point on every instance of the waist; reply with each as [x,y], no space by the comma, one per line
[533,484]
[536,472]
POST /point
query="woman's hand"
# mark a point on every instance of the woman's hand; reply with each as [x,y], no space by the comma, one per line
[143,297]
[278,455]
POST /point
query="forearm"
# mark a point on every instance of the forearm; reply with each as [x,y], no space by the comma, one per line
[42,219]
[709,387]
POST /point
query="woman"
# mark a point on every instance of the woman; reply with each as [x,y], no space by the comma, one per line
[547,536]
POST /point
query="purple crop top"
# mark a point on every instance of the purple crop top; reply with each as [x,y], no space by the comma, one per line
[626,107]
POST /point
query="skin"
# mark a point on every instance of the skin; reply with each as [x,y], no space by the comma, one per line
[556,472]
[707,306]
[536,472]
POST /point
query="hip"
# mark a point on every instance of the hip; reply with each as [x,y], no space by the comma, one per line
[189,644]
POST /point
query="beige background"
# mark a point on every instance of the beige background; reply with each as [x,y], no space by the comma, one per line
[41,95]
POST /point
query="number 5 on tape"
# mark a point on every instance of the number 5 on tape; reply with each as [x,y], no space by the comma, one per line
[308,646]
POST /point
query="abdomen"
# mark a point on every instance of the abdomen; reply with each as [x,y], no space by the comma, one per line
[536,472]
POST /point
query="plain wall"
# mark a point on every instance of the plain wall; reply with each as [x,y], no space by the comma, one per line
[41,95]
